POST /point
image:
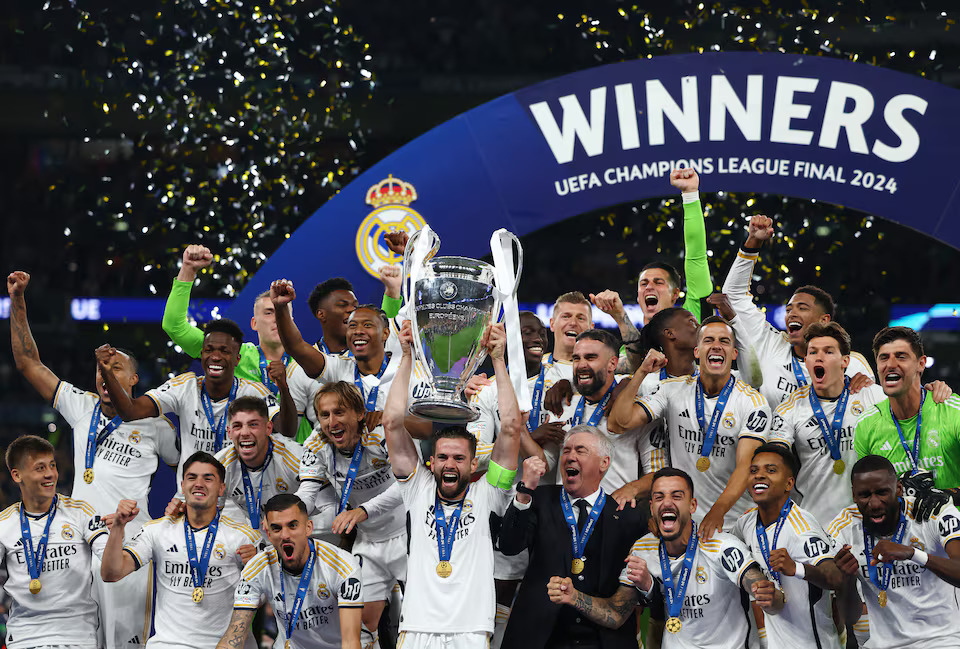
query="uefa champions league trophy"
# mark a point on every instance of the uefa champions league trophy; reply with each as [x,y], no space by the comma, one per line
[451,300]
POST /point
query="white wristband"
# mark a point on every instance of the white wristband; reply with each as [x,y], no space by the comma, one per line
[919,557]
[801,571]
[690,197]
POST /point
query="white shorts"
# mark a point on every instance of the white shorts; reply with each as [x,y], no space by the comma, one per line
[382,564]
[126,607]
[416,640]
[507,568]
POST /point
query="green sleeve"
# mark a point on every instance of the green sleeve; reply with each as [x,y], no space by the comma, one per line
[860,442]
[249,365]
[391,305]
[181,332]
[699,283]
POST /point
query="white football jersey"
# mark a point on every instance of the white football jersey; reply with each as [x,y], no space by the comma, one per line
[164,542]
[302,390]
[334,584]
[653,441]
[280,477]
[746,416]
[773,351]
[807,615]
[324,469]
[921,608]
[125,461]
[712,599]
[64,611]
[822,491]
[181,395]
[465,601]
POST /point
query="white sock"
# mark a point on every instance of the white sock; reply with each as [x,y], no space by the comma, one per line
[499,625]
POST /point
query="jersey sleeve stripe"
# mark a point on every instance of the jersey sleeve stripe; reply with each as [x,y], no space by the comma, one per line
[406,478]
[66,501]
[136,557]
[334,561]
[56,393]
[6,513]
[96,536]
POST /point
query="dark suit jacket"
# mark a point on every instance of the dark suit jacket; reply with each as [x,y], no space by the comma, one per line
[542,529]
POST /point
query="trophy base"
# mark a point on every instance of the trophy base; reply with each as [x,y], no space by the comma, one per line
[443,411]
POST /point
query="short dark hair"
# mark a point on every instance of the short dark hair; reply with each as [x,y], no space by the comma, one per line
[453,432]
[820,297]
[325,288]
[789,459]
[224,326]
[603,336]
[24,446]
[870,463]
[713,319]
[651,336]
[370,307]
[205,458]
[889,334]
[670,472]
[283,502]
[129,354]
[248,404]
[673,275]
[830,330]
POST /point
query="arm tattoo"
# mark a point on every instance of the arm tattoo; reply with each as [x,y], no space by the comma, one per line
[23,339]
[236,634]
[750,577]
[611,612]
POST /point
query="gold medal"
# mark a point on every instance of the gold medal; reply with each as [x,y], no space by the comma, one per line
[197,595]
[839,467]
[702,465]
[88,476]
[35,586]
[577,566]
[287,645]
[674,625]
[882,599]
[444,569]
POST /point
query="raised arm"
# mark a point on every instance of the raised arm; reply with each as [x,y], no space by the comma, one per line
[750,322]
[610,612]
[311,360]
[400,445]
[115,563]
[699,282]
[25,353]
[174,323]
[288,418]
[239,628]
[129,409]
[610,303]
[507,446]
[626,414]
[736,485]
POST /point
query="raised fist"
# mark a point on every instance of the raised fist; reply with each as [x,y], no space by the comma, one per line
[495,340]
[638,573]
[653,361]
[560,590]
[281,292]
[722,304]
[686,180]
[196,257]
[760,229]
[17,282]
[392,279]
[105,354]
[533,470]
[127,510]
[609,302]
[406,336]
[397,241]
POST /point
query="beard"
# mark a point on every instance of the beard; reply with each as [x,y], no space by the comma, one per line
[889,524]
[448,491]
[592,385]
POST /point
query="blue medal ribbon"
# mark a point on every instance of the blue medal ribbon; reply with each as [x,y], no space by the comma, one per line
[674,594]
[303,587]
[766,548]
[831,431]
[798,372]
[912,454]
[446,529]
[94,439]
[265,375]
[253,503]
[198,566]
[351,475]
[597,413]
[663,374]
[371,399]
[322,346]
[535,400]
[880,574]
[710,431]
[579,541]
[219,428]
[34,556]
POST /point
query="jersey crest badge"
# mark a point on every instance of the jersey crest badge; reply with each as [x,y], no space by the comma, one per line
[701,575]
[391,199]
[219,551]
[729,421]
[281,484]
[857,408]
[135,437]
[322,591]
[917,543]
[66,532]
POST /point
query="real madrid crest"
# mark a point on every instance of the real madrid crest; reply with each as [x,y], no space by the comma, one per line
[66,532]
[701,575]
[322,591]
[134,437]
[391,200]
[729,421]
[856,408]
[281,484]
[219,551]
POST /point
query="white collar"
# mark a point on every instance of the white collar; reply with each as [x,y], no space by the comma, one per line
[591,499]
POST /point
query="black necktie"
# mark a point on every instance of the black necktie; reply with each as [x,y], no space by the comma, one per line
[581,506]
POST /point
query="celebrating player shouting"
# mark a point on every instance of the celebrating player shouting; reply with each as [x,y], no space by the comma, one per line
[450,597]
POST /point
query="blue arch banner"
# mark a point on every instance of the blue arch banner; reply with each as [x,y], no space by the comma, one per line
[875,140]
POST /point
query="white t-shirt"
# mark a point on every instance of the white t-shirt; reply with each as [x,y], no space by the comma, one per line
[712,614]
[771,346]
[807,613]
[334,584]
[163,541]
[822,491]
[64,611]
[280,477]
[125,461]
[181,395]
[921,608]
[464,602]
[374,486]
[745,416]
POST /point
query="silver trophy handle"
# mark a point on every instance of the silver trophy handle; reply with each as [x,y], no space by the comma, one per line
[407,286]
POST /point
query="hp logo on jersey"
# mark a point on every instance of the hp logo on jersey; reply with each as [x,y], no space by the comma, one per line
[732,559]
[391,200]
[815,547]
[949,524]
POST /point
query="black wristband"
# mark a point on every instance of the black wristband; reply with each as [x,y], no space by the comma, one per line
[523,489]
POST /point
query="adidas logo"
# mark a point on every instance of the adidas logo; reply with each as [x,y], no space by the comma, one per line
[134,640]
[173,548]
[685,413]
[886,446]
